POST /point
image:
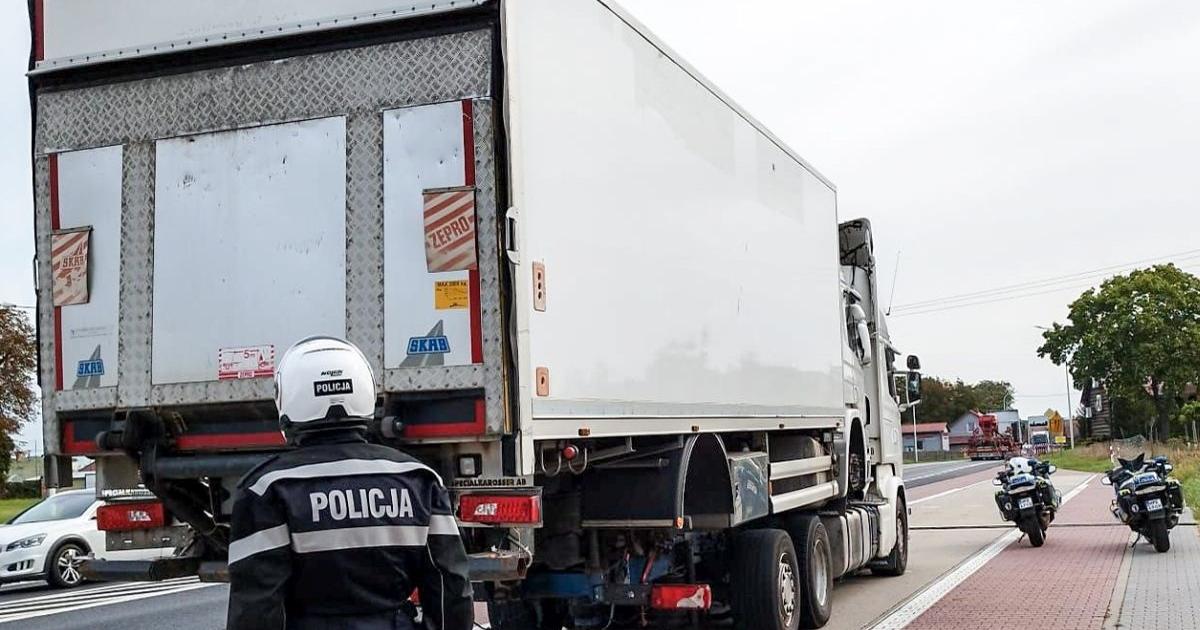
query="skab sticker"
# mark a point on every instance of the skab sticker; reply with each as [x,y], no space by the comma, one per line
[429,345]
[90,367]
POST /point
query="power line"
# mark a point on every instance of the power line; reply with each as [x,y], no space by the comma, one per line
[936,308]
[1046,282]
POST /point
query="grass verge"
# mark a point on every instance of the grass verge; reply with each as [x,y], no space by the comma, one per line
[1081,459]
[1094,458]
[11,507]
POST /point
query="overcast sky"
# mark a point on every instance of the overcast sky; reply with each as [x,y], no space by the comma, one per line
[991,144]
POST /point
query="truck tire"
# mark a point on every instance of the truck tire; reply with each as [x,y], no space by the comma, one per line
[815,560]
[1160,535]
[523,615]
[896,562]
[764,581]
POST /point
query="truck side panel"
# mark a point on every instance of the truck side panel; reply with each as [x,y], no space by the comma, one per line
[427,315]
[685,251]
[88,185]
[249,247]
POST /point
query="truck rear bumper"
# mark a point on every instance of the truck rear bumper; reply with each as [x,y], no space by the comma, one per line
[491,566]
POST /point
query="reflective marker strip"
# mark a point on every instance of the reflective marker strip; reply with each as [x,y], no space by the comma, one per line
[259,542]
[443,525]
[360,538]
[342,468]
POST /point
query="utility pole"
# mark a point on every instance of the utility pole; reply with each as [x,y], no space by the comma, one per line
[916,440]
[1070,418]
[1070,414]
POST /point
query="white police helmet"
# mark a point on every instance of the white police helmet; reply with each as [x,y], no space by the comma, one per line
[1019,465]
[323,381]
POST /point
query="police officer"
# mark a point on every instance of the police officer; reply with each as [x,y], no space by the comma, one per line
[338,532]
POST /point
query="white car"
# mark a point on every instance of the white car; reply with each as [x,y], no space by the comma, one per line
[48,540]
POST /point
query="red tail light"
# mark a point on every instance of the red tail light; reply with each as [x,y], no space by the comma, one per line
[681,597]
[501,509]
[126,516]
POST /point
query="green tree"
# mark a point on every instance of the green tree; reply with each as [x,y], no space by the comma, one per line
[993,395]
[1139,334]
[18,397]
[944,400]
[1189,416]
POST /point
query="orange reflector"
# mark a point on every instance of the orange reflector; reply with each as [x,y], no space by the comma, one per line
[126,516]
[681,597]
[500,509]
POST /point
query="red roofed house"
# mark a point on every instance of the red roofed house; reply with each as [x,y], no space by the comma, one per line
[928,436]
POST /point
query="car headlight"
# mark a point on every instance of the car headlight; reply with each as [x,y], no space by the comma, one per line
[26,543]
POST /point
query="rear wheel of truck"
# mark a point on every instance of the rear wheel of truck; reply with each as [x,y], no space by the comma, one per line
[1160,535]
[896,562]
[765,581]
[816,574]
[63,570]
[524,615]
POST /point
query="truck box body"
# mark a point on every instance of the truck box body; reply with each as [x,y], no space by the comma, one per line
[575,266]
[234,210]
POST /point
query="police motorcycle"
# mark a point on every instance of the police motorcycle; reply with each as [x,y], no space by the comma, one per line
[1027,497]
[1148,500]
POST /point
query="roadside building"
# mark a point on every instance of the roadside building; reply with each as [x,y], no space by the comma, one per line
[926,437]
[1096,407]
[963,426]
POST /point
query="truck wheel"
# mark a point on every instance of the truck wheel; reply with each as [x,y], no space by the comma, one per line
[524,615]
[816,574]
[1160,536]
[764,581]
[896,562]
[62,569]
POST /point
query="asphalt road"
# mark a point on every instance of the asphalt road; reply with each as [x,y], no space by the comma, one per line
[177,604]
[917,475]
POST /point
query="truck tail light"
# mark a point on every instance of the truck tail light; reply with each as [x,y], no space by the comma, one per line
[512,509]
[117,517]
[681,597]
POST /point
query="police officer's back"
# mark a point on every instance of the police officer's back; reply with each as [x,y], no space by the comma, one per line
[338,532]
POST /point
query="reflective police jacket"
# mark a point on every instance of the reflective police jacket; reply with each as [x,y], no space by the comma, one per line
[337,535]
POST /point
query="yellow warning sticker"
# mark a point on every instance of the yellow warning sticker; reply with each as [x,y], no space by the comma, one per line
[451,294]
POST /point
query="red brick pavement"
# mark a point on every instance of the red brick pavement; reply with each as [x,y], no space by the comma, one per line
[1065,585]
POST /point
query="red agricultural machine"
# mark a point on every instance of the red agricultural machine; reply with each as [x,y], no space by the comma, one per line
[988,442]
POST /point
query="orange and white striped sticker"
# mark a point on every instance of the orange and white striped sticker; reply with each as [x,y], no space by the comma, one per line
[450,229]
[69,266]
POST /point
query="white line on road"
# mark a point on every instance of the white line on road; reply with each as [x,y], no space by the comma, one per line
[22,609]
[947,471]
[950,491]
[925,599]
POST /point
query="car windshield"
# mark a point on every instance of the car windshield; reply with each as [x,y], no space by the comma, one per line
[56,508]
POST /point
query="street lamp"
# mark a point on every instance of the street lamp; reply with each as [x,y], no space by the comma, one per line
[1070,415]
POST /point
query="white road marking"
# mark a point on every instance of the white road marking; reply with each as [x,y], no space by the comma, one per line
[970,466]
[71,601]
[930,595]
[950,491]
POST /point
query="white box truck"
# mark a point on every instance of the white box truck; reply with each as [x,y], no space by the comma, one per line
[618,315]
